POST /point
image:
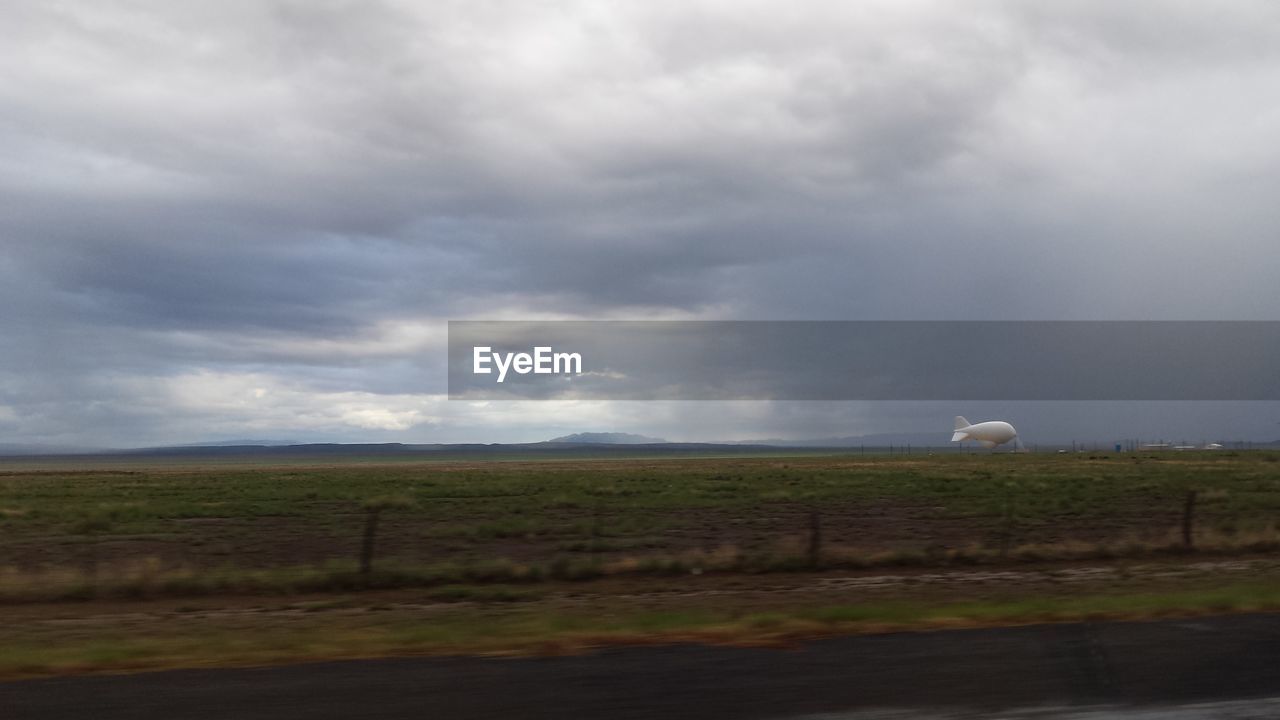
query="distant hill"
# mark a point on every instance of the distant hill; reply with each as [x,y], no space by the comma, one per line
[594,445]
[240,443]
[607,438]
[19,449]
[327,452]
[938,439]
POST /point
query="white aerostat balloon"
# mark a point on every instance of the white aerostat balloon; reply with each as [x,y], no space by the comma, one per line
[988,434]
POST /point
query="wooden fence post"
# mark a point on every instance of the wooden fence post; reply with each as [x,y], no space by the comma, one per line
[815,538]
[1006,535]
[370,533]
[1188,520]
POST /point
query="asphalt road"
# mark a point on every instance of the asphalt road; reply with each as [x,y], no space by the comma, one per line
[1212,667]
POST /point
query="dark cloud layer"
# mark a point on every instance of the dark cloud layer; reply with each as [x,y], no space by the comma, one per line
[253,218]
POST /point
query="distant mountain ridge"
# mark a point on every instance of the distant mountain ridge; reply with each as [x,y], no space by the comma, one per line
[631,446]
[934,439]
[34,449]
[244,442]
[608,438]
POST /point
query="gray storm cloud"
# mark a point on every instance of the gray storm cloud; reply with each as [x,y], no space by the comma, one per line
[253,218]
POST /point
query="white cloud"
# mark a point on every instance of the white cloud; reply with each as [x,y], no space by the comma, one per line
[200,201]
[262,402]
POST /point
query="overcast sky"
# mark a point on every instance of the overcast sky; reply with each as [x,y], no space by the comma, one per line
[252,219]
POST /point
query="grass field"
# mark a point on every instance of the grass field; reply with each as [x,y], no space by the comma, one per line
[480,556]
[450,521]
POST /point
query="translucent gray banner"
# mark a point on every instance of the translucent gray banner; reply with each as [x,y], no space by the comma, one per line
[819,360]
